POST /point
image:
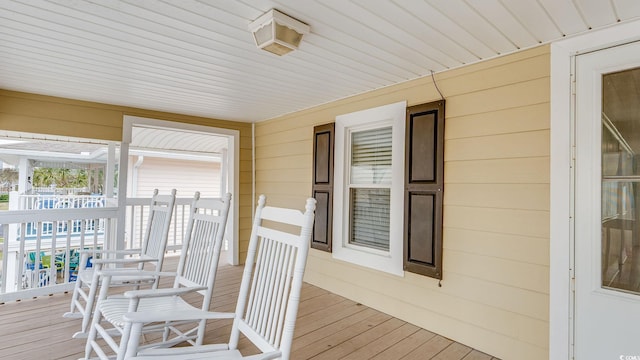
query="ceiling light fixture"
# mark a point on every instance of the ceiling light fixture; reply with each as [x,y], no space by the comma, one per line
[278,33]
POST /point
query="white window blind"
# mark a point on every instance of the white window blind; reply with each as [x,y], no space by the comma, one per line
[369,194]
[371,156]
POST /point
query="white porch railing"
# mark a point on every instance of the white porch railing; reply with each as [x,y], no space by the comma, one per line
[44,201]
[38,242]
[40,247]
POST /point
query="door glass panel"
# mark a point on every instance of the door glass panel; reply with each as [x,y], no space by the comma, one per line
[621,181]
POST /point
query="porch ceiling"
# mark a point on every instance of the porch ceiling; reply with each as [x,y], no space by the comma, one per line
[198,58]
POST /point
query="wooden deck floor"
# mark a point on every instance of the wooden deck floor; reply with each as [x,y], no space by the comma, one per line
[329,327]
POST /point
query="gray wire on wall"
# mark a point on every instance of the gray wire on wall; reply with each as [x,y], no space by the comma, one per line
[436,85]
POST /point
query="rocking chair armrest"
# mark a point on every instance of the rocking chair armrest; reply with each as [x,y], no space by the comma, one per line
[133,273]
[152,293]
[122,261]
[105,251]
[186,315]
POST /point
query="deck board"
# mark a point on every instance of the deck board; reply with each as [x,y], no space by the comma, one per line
[329,327]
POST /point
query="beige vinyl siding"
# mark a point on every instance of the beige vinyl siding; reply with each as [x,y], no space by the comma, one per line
[67,117]
[494,293]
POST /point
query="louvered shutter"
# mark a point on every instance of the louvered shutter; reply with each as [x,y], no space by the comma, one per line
[424,180]
[322,187]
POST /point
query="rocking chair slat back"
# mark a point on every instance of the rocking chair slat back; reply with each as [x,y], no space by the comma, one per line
[272,277]
[198,266]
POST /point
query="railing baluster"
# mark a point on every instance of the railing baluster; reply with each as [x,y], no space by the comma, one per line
[63,229]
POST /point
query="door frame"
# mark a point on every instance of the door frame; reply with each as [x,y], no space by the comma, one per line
[232,163]
[562,240]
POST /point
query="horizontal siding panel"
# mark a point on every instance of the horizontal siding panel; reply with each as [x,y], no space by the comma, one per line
[284,149]
[284,162]
[38,125]
[442,310]
[517,95]
[536,67]
[512,120]
[494,294]
[246,167]
[245,153]
[299,188]
[524,302]
[285,175]
[509,61]
[290,122]
[503,196]
[498,171]
[246,141]
[58,109]
[503,221]
[533,331]
[287,200]
[516,145]
[508,272]
[290,135]
[526,249]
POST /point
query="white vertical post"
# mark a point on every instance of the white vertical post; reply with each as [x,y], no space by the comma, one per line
[224,171]
[109,173]
[122,194]
[25,175]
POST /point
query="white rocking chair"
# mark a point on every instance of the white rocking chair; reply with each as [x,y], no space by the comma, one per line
[195,274]
[151,252]
[269,293]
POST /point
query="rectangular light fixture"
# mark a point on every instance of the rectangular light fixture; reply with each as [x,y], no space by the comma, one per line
[278,33]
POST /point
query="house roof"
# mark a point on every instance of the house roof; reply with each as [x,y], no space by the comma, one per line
[69,152]
[198,57]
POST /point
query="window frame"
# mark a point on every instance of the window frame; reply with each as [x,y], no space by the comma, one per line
[387,261]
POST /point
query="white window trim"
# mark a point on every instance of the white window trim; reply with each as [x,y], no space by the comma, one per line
[388,115]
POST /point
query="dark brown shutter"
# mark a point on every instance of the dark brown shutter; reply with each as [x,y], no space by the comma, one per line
[323,145]
[424,180]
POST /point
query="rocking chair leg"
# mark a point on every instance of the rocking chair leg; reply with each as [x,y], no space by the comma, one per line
[92,334]
[74,296]
[124,341]
[88,307]
[134,340]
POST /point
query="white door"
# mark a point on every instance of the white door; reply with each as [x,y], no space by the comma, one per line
[607,204]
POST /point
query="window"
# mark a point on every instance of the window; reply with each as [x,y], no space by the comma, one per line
[388,207]
[369,188]
[369,181]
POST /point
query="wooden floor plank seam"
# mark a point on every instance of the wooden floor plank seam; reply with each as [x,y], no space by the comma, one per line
[329,327]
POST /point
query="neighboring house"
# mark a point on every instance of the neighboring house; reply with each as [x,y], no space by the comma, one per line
[187,176]
[507,223]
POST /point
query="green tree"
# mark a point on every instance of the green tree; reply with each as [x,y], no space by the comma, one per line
[80,178]
[8,177]
[63,177]
[43,177]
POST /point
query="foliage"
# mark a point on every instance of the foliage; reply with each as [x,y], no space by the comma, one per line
[63,178]
[8,177]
